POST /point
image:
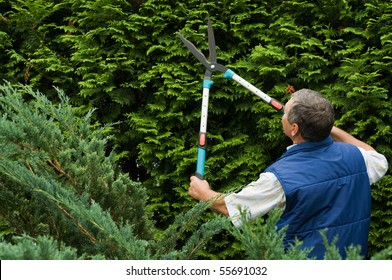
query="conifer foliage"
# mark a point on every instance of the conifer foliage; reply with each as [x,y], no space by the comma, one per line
[57,180]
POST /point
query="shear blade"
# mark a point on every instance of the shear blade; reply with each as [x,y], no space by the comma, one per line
[195,51]
[211,42]
[211,65]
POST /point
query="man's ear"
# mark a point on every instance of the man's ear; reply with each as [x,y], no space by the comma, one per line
[295,130]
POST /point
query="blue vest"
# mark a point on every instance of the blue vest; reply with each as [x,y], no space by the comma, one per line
[326,186]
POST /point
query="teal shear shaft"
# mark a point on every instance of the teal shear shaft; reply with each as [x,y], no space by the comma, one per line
[212,66]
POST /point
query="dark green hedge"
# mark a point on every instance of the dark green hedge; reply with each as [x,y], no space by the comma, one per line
[125,59]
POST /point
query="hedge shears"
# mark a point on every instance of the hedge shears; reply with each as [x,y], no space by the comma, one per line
[212,66]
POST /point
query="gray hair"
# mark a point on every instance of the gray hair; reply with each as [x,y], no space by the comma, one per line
[313,113]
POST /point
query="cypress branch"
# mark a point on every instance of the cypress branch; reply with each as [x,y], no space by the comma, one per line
[59,161]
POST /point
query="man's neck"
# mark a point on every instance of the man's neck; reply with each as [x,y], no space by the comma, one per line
[298,139]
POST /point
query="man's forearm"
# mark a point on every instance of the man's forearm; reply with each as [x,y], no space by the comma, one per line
[219,205]
[200,190]
[339,135]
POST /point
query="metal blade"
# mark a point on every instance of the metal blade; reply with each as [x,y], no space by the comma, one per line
[211,42]
[212,67]
[195,52]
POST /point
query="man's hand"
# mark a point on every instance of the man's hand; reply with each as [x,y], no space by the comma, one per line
[201,190]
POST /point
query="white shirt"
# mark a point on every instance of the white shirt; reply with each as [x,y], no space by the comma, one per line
[261,196]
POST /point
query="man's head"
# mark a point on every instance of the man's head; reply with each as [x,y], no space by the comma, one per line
[309,116]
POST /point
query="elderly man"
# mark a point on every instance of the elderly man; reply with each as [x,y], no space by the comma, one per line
[322,181]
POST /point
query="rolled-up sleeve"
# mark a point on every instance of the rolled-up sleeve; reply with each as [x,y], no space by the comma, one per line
[376,164]
[256,199]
